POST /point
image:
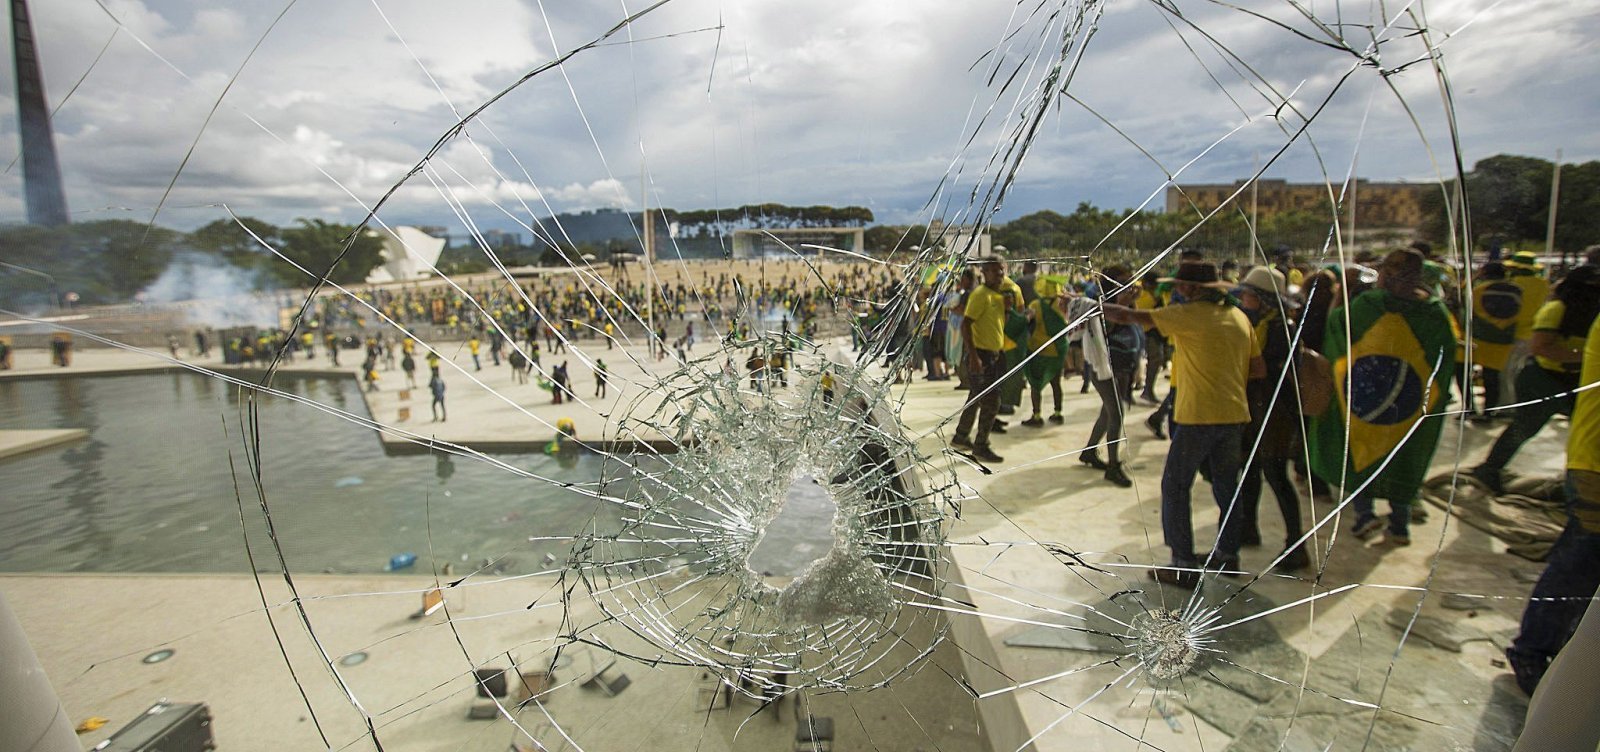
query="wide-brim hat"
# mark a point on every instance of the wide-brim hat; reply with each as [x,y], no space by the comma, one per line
[1265,280]
[1524,260]
[1202,273]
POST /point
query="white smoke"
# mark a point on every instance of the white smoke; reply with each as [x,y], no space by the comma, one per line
[210,292]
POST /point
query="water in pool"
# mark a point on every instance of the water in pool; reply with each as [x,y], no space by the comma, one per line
[151,488]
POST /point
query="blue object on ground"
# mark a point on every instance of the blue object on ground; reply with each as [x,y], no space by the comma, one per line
[400,561]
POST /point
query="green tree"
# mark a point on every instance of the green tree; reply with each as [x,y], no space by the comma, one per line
[233,243]
[104,261]
[315,245]
[1508,198]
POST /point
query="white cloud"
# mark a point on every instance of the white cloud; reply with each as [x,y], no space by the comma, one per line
[833,101]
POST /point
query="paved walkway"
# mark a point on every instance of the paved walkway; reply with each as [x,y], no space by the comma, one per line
[1341,617]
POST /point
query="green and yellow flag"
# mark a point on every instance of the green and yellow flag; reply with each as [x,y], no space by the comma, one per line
[1496,308]
[1391,376]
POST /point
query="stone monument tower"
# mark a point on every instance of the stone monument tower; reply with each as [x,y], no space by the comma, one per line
[41,175]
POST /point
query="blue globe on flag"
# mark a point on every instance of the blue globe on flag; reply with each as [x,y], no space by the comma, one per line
[1384,390]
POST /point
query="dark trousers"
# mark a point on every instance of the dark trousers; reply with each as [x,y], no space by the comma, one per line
[1108,425]
[1491,389]
[1533,383]
[983,396]
[1156,353]
[1562,595]
[1276,472]
[1217,448]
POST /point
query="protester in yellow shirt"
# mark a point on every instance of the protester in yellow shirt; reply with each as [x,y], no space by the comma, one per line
[984,340]
[1213,363]
[1557,344]
[1572,571]
[1156,351]
[1524,271]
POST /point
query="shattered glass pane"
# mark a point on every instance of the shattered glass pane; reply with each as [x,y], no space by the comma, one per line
[766,538]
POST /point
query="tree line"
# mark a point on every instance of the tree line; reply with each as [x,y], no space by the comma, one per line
[111,261]
[107,261]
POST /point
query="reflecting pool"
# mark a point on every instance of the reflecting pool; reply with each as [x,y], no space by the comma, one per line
[152,487]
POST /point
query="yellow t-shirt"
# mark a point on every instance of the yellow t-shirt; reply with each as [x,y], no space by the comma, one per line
[1145,302]
[1583,441]
[986,309]
[1211,361]
[1549,320]
[1534,291]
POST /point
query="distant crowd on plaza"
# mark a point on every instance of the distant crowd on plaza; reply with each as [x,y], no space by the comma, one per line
[1342,374]
[1345,374]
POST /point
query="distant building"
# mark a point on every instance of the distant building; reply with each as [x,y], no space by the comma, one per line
[806,241]
[606,229]
[965,238]
[408,254]
[502,239]
[1377,205]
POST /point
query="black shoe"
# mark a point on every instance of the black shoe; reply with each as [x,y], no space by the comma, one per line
[1092,459]
[1185,579]
[1034,422]
[1116,476]
[1154,424]
[960,442]
[1295,560]
[1057,419]
[1000,423]
[998,428]
[1490,477]
[1527,671]
[986,454]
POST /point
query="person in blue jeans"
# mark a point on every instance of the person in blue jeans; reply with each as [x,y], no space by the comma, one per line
[1572,572]
[1216,356]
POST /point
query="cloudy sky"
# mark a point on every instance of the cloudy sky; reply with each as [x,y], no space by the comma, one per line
[875,102]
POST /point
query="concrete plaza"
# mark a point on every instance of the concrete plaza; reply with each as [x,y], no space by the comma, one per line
[1309,659]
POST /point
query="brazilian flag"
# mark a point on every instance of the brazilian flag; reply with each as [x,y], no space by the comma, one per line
[1391,369]
[1496,306]
[1047,359]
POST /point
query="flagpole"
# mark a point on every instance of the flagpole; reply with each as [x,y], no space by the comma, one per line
[1255,219]
[1550,224]
[1355,179]
[646,225]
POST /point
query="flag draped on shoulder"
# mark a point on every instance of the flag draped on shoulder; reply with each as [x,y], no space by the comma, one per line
[1047,352]
[1392,363]
[1496,309]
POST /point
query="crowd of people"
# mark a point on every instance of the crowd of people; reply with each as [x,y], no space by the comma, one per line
[1344,373]
[575,306]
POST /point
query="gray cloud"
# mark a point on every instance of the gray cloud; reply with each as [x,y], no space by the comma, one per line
[821,102]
